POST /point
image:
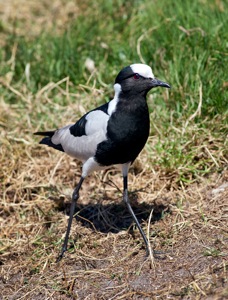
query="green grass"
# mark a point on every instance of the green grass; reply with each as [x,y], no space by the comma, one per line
[184,42]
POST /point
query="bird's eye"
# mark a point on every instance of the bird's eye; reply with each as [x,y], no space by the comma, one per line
[136,76]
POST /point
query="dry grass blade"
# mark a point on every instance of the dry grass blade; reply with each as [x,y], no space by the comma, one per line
[151,251]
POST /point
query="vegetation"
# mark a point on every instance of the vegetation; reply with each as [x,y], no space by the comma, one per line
[59,60]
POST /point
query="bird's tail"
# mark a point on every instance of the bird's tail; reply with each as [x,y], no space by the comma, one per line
[47,139]
[45,133]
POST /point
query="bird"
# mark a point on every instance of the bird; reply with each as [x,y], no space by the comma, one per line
[111,134]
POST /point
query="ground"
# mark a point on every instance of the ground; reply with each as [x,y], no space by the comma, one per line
[106,259]
[183,211]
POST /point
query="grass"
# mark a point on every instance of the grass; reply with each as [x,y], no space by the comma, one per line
[45,83]
[188,50]
[191,46]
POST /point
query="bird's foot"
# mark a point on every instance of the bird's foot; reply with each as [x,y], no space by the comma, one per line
[61,254]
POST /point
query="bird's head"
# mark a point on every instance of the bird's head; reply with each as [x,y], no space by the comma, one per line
[138,79]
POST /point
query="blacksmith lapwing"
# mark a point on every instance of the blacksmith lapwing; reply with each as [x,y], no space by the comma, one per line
[112,134]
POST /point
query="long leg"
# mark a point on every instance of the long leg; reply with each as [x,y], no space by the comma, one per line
[126,200]
[72,210]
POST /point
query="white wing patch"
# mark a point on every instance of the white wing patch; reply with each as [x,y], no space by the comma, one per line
[96,120]
[85,146]
[143,70]
[59,135]
[82,147]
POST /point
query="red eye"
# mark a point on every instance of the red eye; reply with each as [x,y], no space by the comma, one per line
[136,76]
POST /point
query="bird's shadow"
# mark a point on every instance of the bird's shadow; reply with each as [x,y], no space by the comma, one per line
[114,217]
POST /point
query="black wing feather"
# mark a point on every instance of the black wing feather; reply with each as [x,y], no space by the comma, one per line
[45,133]
[78,129]
[47,140]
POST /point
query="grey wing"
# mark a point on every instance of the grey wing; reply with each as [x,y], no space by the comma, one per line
[81,139]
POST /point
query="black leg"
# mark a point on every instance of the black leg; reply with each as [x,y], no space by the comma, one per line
[126,200]
[72,210]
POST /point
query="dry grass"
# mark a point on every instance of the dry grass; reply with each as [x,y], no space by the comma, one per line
[30,18]
[106,256]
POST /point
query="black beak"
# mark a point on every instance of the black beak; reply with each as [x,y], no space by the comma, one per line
[157,82]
